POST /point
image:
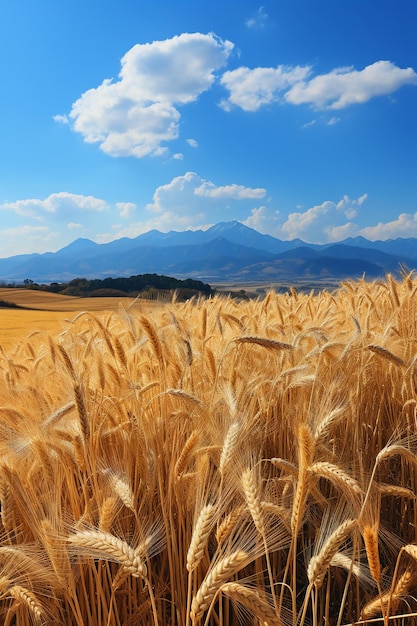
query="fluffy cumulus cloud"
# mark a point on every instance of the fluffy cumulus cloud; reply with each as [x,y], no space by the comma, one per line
[404,226]
[345,86]
[189,202]
[236,192]
[138,114]
[39,225]
[250,89]
[264,220]
[56,204]
[322,222]
[126,209]
[185,193]
[330,222]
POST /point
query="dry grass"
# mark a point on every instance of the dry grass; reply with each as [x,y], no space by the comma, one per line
[213,462]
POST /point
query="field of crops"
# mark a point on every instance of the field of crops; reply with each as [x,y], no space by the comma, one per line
[213,462]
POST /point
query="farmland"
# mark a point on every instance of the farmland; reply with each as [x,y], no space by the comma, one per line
[44,312]
[210,462]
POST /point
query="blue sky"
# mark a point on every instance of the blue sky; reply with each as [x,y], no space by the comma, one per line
[297,118]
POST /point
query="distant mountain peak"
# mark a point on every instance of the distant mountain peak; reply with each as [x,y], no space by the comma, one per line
[227,251]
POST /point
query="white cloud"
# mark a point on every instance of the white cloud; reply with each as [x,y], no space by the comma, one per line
[322,222]
[263,220]
[328,221]
[184,193]
[333,120]
[25,239]
[193,143]
[74,226]
[136,115]
[251,89]
[62,119]
[237,192]
[56,204]
[345,86]
[189,202]
[404,226]
[126,209]
[258,20]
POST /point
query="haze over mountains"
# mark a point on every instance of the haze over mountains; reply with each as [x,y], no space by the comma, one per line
[228,251]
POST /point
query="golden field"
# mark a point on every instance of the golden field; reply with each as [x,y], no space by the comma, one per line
[213,462]
[47,312]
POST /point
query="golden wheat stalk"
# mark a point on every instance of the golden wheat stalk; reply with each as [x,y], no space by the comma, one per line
[269,344]
[253,500]
[185,453]
[82,411]
[386,354]
[230,442]
[389,600]
[153,337]
[370,538]
[252,600]
[319,563]
[218,575]
[200,537]
[29,599]
[340,479]
[103,545]
[123,490]
[305,459]
[227,524]
[108,511]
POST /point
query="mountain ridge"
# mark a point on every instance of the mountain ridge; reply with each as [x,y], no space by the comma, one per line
[227,251]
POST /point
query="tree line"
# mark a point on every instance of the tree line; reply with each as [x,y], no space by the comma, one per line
[124,286]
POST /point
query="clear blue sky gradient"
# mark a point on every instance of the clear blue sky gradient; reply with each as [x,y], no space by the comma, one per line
[297,118]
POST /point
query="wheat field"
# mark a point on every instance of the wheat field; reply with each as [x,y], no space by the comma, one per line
[214,462]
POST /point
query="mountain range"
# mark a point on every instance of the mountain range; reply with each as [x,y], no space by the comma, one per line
[228,251]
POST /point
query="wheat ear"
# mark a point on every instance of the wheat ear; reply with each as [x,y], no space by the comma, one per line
[252,600]
[67,361]
[386,354]
[370,538]
[210,586]
[123,490]
[253,500]
[320,562]
[305,459]
[269,344]
[56,552]
[411,550]
[229,445]
[107,513]
[120,351]
[200,537]
[185,453]
[30,600]
[152,335]
[389,599]
[103,545]
[82,410]
[338,477]
[227,524]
